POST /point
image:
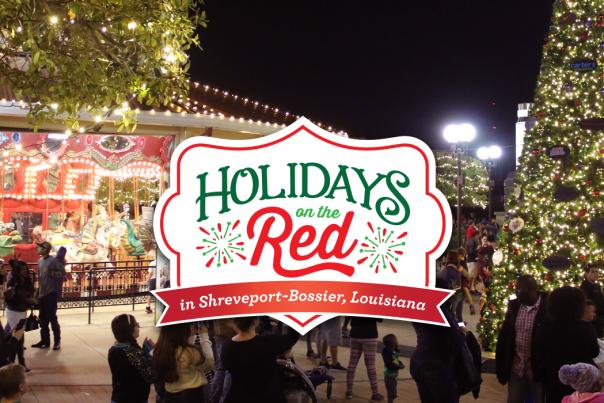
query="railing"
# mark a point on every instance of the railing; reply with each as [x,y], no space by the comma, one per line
[95,284]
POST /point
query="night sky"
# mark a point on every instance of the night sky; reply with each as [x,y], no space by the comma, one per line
[382,68]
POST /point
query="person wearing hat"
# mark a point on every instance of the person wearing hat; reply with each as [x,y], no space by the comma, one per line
[585,380]
[50,274]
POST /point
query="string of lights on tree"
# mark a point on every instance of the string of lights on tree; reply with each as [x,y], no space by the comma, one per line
[65,58]
[555,225]
[476,187]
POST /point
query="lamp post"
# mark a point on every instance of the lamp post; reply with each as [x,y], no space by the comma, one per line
[489,155]
[459,136]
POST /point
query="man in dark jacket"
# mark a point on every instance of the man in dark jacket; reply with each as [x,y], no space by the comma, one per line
[593,292]
[517,359]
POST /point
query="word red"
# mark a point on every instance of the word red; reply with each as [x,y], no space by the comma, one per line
[301,238]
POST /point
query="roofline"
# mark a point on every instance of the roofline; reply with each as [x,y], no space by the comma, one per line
[165,119]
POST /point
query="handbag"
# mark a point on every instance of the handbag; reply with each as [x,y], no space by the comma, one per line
[32,322]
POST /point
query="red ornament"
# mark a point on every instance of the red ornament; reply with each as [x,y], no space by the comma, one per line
[577,102]
[582,212]
[557,177]
[582,258]
[549,276]
[588,182]
[536,151]
[601,151]
[539,115]
[596,193]
[583,35]
[538,241]
[516,251]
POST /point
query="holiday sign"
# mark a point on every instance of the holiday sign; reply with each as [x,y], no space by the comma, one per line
[302,225]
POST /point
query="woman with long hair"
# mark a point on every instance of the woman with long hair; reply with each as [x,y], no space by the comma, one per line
[131,372]
[19,297]
[252,362]
[180,365]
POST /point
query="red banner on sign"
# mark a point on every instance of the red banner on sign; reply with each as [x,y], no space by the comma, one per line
[265,298]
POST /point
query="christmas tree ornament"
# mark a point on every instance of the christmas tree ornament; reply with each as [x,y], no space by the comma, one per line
[558,152]
[530,122]
[597,226]
[567,18]
[582,212]
[516,224]
[566,193]
[548,276]
[497,257]
[556,262]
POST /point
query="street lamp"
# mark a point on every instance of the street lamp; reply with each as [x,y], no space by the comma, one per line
[489,155]
[459,136]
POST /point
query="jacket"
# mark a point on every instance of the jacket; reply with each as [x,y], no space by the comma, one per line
[506,343]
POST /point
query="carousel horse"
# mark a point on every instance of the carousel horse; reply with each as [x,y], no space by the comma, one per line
[89,245]
[131,243]
[8,238]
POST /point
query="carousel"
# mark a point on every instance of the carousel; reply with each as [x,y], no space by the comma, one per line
[92,194]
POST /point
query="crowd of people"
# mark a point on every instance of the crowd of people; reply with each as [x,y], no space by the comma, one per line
[547,350]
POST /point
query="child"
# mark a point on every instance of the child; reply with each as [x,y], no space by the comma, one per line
[585,380]
[392,364]
[12,383]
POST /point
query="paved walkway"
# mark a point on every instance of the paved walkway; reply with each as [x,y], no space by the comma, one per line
[80,373]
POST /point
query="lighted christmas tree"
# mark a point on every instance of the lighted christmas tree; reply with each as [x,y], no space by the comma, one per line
[555,225]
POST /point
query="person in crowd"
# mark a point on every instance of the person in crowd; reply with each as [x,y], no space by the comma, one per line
[330,335]
[517,353]
[223,332]
[585,380]
[152,284]
[484,258]
[9,344]
[18,297]
[13,383]
[310,353]
[472,253]
[452,275]
[593,292]
[392,364]
[363,341]
[569,339]
[493,229]
[131,371]
[433,363]
[50,270]
[472,229]
[465,285]
[251,361]
[180,365]
[589,315]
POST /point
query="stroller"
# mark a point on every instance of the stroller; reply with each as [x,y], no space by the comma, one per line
[300,386]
